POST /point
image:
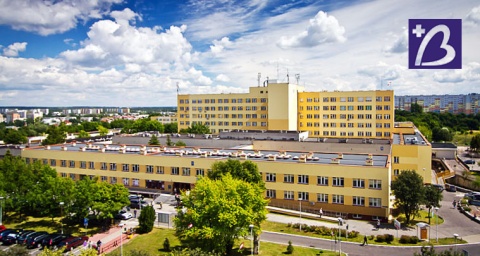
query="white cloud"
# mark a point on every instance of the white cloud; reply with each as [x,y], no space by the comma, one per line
[198,77]
[222,78]
[219,45]
[399,44]
[322,29]
[474,15]
[13,49]
[51,17]
[469,72]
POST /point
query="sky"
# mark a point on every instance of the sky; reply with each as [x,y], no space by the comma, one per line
[132,53]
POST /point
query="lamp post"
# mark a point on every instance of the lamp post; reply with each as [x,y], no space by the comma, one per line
[1,209]
[61,214]
[436,223]
[340,223]
[455,236]
[251,234]
[300,203]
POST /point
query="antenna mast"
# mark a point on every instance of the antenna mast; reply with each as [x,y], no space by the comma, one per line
[297,77]
[258,78]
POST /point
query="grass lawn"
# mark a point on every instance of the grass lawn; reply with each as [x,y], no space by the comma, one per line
[421,217]
[155,239]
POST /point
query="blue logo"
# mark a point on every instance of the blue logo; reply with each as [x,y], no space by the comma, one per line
[435,44]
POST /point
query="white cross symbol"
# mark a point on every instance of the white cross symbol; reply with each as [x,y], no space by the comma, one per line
[419,31]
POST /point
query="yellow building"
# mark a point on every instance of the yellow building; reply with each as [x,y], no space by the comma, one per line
[284,106]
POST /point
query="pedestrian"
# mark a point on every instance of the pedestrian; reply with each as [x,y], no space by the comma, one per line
[99,244]
[321,212]
[365,240]
[454,204]
[378,224]
[89,244]
[135,213]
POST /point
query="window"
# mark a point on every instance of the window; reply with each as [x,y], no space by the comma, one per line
[374,202]
[72,176]
[386,98]
[288,178]
[104,178]
[396,172]
[396,159]
[175,170]
[126,181]
[302,179]
[303,196]
[368,107]
[103,166]
[288,195]
[337,199]
[358,183]
[325,99]
[350,99]
[53,162]
[91,165]
[358,200]
[337,181]
[113,180]
[271,177]
[378,98]
[125,167]
[322,198]
[360,107]
[72,164]
[368,99]
[375,184]
[160,170]
[113,167]
[83,164]
[200,172]
[149,169]
[135,182]
[322,180]
[185,171]
[135,168]
[271,193]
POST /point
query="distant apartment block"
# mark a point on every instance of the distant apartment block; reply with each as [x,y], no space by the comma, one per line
[165,119]
[455,104]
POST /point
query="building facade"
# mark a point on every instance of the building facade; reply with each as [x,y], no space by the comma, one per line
[284,106]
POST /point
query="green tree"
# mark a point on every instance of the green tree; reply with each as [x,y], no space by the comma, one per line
[102,130]
[217,212]
[416,108]
[432,199]
[83,134]
[55,136]
[169,141]
[197,128]
[475,143]
[146,219]
[171,127]
[246,170]
[154,140]
[12,136]
[409,193]
[180,143]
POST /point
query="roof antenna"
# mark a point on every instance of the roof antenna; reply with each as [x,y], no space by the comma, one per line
[288,77]
[297,77]
[258,78]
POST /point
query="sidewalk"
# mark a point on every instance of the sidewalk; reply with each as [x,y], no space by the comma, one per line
[113,238]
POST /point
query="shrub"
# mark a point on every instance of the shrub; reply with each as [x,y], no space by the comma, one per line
[371,237]
[388,238]
[289,224]
[353,234]
[289,247]
[166,245]
[380,238]
[408,239]
[467,209]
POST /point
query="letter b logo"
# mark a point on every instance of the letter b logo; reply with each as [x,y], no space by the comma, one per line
[435,44]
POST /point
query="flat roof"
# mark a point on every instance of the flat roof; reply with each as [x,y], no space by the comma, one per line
[221,154]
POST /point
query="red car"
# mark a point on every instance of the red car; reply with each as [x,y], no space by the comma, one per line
[72,242]
[2,228]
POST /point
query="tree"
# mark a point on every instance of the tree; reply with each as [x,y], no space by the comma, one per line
[432,199]
[171,127]
[154,140]
[409,193]
[83,134]
[102,130]
[441,134]
[475,143]
[219,211]
[146,219]
[55,136]
[197,128]
[13,136]
[416,108]
[169,141]
[180,143]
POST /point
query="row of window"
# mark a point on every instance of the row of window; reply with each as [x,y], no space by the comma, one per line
[345,125]
[225,116]
[324,198]
[213,123]
[208,101]
[351,134]
[344,107]
[324,180]
[349,99]
[224,108]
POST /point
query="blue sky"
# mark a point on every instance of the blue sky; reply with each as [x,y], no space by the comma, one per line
[133,53]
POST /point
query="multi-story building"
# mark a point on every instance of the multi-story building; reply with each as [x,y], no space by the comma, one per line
[284,106]
[467,104]
[165,119]
[12,116]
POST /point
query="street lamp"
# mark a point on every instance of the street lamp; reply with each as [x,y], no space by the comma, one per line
[251,234]
[340,223]
[1,209]
[455,235]
[61,214]
[300,203]
[436,222]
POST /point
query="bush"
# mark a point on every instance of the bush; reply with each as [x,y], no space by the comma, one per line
[166,245]
[146,219]
[380,238]
[388,238]
[289,248]
[353,234]
[408,239]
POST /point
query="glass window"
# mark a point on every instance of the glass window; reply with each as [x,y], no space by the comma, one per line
[337,199]
[288,178]
[322,198]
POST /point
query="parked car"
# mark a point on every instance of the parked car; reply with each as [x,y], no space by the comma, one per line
[24,235]
[72,242]
[469,161]
[451,188]
[439,187]
[124,215]
[53,240]
[11,238]
[5,232]
[473,198]
[2,228]
[35,240]
[137,203]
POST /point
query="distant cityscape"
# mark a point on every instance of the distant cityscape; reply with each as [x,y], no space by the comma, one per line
[455,104]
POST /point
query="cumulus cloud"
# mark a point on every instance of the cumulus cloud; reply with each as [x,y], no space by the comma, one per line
[198,77]
[469,72]
[322,29]
[222,78]
[219,45]
[51,17]
[474,15]
[13,49]
[399,44]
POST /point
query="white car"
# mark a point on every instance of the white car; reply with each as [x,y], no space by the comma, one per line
[124,215]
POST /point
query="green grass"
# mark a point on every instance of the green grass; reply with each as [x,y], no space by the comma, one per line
[463,139]
[155,241]
[422,216]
